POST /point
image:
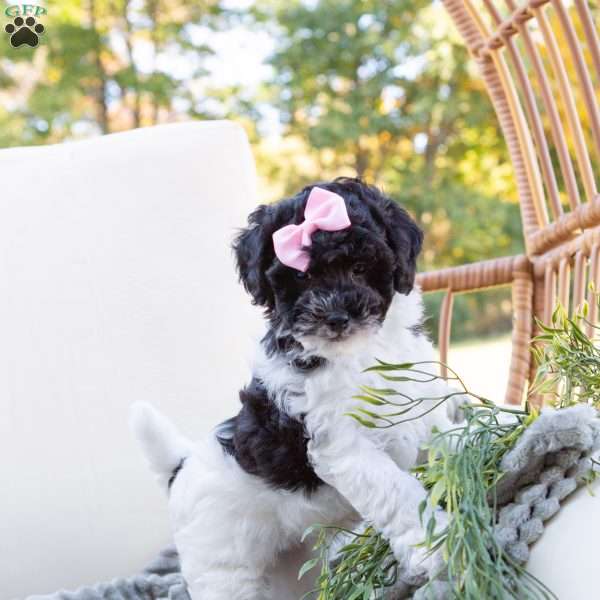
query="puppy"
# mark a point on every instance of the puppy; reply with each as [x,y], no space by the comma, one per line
[334,269]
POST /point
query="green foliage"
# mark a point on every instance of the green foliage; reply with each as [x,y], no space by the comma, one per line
[568,360]
[368,566]
[336,74]
[462,471]
[460,476]
[85,78]
[398,404]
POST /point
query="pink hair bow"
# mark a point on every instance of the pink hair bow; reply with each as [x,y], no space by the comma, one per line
[324,210]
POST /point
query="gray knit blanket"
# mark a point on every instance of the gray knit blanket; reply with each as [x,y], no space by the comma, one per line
[549,462]
[160,580]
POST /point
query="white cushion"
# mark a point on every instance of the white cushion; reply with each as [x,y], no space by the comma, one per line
[566,556]
[118,285]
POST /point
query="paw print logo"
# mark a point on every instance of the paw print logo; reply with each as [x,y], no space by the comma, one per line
[24,31]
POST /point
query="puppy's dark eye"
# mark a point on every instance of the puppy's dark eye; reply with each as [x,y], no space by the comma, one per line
[302,276]
[359,269]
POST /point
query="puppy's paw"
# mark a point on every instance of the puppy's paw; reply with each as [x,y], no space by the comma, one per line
[418,564]
[454,407]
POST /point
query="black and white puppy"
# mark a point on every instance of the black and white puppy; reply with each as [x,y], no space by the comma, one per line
[291,457]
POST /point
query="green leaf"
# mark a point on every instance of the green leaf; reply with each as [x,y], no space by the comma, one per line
[357,593]
[362,421]
[390,367]
[309,531]
[307,566]
[368,413]
[370,400]
[437,492]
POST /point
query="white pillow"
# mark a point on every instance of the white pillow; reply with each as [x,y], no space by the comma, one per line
[117,285]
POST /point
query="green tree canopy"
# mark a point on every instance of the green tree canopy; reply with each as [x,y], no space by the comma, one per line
[99,68]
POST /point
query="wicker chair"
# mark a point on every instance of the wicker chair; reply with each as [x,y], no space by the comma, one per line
[547,105]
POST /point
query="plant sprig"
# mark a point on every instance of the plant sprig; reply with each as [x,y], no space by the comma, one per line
[461,473]
[569,360]
[398,404]
[365,566]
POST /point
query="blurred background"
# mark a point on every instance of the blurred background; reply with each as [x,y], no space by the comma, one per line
[382,90]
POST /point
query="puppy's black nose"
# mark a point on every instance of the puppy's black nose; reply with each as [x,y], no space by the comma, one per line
[338,322]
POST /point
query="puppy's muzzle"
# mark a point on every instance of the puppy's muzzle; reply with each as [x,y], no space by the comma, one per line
[338,322]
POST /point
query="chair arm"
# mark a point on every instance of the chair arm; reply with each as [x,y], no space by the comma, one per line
[475,276]
[512,270]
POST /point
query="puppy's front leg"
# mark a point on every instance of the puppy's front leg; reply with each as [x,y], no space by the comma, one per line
[378,489]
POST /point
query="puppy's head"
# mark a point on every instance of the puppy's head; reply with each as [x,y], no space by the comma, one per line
[352,274]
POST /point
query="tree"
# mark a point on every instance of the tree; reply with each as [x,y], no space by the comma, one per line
[100,67]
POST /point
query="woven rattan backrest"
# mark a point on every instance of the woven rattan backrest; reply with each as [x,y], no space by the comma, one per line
[540,62]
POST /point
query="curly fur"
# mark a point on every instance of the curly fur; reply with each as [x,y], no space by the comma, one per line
[244,495]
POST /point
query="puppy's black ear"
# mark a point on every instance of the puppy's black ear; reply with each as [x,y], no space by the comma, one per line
[403,235]
[254,253]
[405,239]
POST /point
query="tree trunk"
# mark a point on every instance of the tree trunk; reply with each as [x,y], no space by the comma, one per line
[361,162]
[154,14]
[136,111]
[100,88]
